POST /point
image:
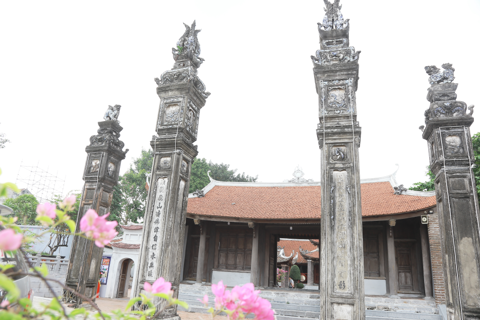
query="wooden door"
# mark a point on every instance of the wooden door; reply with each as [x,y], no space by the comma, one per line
[123,278]
[235,250]
[406,262]
[371,253]
[192,267]
[316,273]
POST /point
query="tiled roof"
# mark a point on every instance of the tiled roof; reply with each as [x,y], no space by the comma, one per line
[291,245]
[133,227]
[277,202]
[122,245]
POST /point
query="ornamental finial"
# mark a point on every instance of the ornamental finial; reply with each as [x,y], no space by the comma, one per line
[112,113]
[437,76]
[188,46]
[333,18]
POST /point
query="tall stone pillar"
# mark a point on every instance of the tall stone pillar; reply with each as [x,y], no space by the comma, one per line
[447,132]
[254,270]
[309,273]
[336,77]
[182,95]
[427,271]
[102,167]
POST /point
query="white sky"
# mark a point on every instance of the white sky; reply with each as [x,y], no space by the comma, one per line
[62,63]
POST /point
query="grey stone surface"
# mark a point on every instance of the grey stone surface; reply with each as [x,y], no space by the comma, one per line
[339,133]
[375,287]
[447,132]
[102,168]
[231,278]
[182,95]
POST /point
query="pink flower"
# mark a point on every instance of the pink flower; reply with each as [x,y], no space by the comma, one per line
[219,291]
[204,300]
[68,202]
[46,210]
[9,240]
[98,228]
[4,303]
[159,286]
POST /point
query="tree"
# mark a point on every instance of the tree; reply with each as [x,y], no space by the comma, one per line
[60,237]
[130,194]
[3,140]
[430,184]
[295,274]
[218,171]
[24,208]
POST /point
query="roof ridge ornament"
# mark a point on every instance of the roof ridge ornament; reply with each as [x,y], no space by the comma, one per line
[333,18]
[188,46]
[298,177]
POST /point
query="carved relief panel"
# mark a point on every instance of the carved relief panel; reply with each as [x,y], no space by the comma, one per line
[93,166]
[337,97]
[338,153]
[453,144]
[171,112]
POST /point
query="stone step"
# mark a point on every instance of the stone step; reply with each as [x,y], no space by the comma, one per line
[383,315]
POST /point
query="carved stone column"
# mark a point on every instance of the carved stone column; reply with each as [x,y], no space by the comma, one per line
[182,95]
[447,132]
[105,154]
[427,271]
[309,273]
[286,282]
[336,78]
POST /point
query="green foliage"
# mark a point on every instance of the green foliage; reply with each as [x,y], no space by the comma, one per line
[130,195]
[300,285]
[218,171]
[24,208]
[427,185]
[295,273]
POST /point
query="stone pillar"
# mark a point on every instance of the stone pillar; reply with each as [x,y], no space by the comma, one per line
[392,264]
[254,276]
[182,95]
[102,167]
[285,280]
[309,273]
[427,271]
[447,132]
[201,251]
[342,294]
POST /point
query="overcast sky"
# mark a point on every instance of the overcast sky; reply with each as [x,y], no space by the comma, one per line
[63,62]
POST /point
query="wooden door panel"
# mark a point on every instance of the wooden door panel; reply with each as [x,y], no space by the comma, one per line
[235,249]
[405,258]
[371,253]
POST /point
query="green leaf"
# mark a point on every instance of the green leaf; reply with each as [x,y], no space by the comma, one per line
[211,310]
[5,315]
[162,295]
[45,219]
[11,186]
[71,224]
[54,304]
[150,312]
[8,284]
[182,304]
[43,271]
[76,312]
[132,302]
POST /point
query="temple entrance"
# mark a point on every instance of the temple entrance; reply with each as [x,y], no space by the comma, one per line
[124,280]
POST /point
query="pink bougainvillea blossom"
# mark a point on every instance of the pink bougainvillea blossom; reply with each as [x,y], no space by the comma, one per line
[68,202]
[98,228]
[159,286]
[241,301]
[46,210]
[204,300]
[9,240]
[5,303]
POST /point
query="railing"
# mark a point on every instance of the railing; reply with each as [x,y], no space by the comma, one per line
[54,264]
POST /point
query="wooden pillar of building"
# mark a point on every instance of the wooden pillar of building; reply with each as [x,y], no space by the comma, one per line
[309,273]
[201,251]
[392,265]
[254,276]
[266,264]
[427,272]
[285,280]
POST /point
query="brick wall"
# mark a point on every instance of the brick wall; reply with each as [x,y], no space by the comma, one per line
[436,258]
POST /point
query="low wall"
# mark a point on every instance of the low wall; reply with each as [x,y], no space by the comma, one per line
[57,269]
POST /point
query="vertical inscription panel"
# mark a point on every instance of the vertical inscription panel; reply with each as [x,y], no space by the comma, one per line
[342,243]
[469,279]
[156,222]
